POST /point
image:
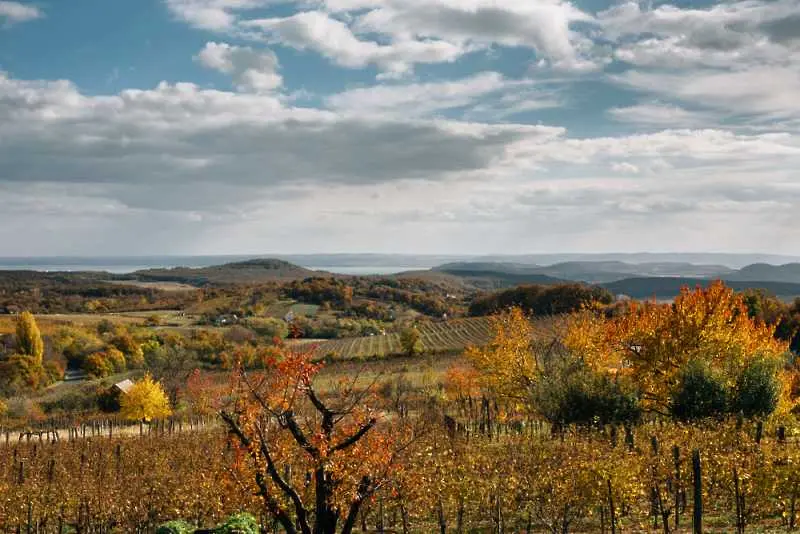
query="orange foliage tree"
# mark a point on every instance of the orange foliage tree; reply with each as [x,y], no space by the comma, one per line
[653,343]
[315,461]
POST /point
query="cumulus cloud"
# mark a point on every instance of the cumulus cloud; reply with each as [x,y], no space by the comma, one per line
[181,133]
[734,63]
[332,38]
[544,26]
[255,71]
[397,34]
[14,12]
[706,133]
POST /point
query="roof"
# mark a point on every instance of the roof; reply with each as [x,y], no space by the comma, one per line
[124,386]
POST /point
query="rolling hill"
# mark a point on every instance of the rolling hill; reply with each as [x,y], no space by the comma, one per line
[668,287]
[243,272]
[789,272]
[592,272]
[645,280]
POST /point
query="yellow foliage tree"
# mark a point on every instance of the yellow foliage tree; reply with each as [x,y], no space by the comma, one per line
[145,401]
[653,342]
[29,339]
[508,363]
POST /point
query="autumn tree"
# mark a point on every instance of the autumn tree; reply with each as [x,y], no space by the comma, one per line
[24,369]
[315,461]
[145,401]
[411,341]
[200,393]
[508,363]
[29,339]
[654,343]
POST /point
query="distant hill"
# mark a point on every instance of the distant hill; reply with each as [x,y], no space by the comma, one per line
[249,271]
[668,287]
[644,280]
[496,275]
[789,272]
[584,271]
[731,260]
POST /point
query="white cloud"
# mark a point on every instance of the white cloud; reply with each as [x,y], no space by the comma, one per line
[624,168]
[333,39]
[766,91]
[252,170]
[420,99]
[544,26]
[255,71]
[13,12]
[215,15]
[182,134]
[396,34]
[721,26]
[660,115]
[734,61]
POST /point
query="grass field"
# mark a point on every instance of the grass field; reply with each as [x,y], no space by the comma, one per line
[161,286]
[280,308]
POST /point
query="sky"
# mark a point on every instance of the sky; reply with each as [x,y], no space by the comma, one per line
[413,126]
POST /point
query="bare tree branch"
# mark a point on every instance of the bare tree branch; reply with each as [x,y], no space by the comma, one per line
[287,420]
[362,493]
[352,440]
[275,509]
[300,509]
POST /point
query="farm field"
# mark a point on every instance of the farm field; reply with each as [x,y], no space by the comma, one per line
[162,286]
[437,337]
[280,308]
[49,323]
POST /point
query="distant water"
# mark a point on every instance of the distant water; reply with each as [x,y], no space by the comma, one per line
[129,265]
[365,270]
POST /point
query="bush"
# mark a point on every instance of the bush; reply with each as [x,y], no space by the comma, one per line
[175,527]
[24,409]
[269,327]
[541,300]
[411,341]
[108,399]
[78,400]
[242,523]
[570,392]
[699,394]
[757,390]
[98,365]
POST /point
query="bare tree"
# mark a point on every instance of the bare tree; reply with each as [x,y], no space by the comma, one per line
[343,451]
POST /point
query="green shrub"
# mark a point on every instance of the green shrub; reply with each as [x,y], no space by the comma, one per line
[175,527]
[757,390]
[268,327]
[74,400]
[242,523]
[569,392]
[411,341]
[699,394]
